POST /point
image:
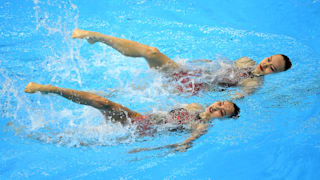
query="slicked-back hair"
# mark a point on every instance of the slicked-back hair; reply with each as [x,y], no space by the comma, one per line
[236,112]
[287,62]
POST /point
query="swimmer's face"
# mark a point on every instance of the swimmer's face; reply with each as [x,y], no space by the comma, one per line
[269,65]
[220,109]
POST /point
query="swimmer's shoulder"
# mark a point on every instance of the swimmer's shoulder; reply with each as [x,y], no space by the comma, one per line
[245,62]
[194,107]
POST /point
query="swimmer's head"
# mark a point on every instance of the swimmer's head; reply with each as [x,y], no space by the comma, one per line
[273,64]
[222,109]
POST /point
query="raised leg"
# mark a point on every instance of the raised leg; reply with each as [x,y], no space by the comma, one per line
[110,109]
[130,48]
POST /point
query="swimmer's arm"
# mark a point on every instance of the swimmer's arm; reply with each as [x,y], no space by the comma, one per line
[196,133]
[249,86]
[153,56]
[199,130]
[81,97]
[246,91]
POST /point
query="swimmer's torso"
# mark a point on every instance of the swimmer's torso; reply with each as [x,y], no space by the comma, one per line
[179,118]
[228,75]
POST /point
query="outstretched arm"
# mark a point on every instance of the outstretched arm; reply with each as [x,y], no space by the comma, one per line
[200,130]
[196,133]
[126,47]
[107,107]
[249,86]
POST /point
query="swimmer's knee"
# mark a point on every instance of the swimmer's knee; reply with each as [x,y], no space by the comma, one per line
[152,52]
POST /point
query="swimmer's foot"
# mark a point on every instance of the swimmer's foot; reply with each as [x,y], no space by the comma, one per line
[81,34]
[33,87]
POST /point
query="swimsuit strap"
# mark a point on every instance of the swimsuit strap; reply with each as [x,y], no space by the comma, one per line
[198,116]
[250,74]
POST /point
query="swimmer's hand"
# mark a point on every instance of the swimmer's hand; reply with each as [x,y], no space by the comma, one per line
[81,34]
[182,147]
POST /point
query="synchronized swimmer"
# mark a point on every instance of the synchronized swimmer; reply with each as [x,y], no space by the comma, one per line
[193,117]
[247,74]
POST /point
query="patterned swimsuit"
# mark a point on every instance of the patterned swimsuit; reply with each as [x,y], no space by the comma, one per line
[190,81]
[186,81]
[178,117]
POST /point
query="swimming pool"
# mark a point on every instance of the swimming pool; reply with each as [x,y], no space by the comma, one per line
[276,137]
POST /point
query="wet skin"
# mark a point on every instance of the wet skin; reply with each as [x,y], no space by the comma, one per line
[220,109]
[269,65]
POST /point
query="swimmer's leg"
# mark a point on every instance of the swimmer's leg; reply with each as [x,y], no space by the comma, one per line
[110,109]
[129,48]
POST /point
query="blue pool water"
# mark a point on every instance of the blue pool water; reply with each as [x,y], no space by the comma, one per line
[276,137]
